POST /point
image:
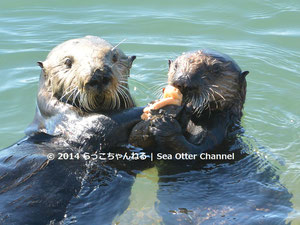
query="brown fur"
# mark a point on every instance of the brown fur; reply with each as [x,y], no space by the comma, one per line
[72,65]
[209,82]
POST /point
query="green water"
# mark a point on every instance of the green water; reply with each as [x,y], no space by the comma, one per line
[262,36]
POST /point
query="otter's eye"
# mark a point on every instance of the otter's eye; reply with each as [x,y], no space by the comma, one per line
[175,66]
[68,63]
[114,58]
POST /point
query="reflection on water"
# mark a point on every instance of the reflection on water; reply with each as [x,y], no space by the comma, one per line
[142,208]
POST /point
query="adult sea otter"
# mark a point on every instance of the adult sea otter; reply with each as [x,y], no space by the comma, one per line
[83,105]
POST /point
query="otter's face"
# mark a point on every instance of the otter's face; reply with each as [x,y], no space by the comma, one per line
[208,80]
[88,73]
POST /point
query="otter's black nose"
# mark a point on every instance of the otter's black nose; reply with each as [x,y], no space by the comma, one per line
[181,84]
[185,84]
[101,77]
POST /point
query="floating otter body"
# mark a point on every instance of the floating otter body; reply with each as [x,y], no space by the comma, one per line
[83,105]
[214,90]
[244,190]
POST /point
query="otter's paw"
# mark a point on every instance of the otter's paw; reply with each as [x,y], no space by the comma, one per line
[165,127]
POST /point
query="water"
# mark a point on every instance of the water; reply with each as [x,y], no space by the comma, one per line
[262,36]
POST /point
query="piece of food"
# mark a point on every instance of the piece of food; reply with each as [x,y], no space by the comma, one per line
[172,96]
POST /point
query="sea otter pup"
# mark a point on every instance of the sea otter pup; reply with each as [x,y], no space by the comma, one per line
[214,89]
[83,105]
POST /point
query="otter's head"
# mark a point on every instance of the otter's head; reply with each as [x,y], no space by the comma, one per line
[89,74]
[209,81]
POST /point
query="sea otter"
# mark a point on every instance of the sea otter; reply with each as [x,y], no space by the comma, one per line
[214,90]
[80,77]
[83,105]
[243,190]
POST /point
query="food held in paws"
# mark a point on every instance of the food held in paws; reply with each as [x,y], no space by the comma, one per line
[172,96]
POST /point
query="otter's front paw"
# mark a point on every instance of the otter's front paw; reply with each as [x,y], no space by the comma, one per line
[165,127]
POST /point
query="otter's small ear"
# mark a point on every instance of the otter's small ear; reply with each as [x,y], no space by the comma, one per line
[244,74]
[132,58]
[40,64]
[170,62]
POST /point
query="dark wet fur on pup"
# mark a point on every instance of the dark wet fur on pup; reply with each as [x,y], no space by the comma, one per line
[214,91]
[245,190]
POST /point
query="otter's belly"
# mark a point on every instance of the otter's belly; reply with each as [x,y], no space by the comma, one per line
[34,190]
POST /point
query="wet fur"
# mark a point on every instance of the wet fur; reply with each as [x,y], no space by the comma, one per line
[66,76]
[209,83]
[69,119]
[214,91]
[214,192]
